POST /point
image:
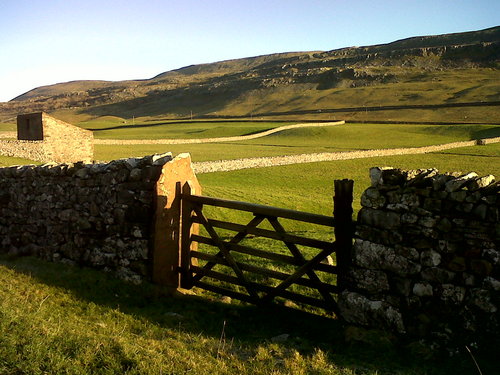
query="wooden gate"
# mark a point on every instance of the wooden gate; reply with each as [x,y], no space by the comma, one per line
[305,274]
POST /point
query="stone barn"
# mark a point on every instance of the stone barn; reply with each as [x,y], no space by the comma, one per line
[60,141]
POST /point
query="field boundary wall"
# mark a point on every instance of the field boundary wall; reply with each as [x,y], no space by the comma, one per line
[426,257]
[110,216]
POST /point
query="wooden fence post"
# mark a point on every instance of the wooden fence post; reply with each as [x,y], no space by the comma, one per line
[344,228]
[186,229]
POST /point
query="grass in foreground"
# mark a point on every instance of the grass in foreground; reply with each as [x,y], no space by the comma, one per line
[56,319]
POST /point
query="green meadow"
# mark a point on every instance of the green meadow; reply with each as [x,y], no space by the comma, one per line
[348,137]
[110,127]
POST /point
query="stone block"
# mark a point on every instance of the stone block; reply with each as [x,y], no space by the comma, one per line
[459,182]
[423,290]
[430,258]
[452,294]
[492,255]
[480,211]
[490,283]
[379,219]
[457,264]
[371,281]
[433,205]
[375,256]
[428,221]
[444,225]
[437,275]
[481,267]
[357,309]
[481,182]
[481,299]
[458,196]
[402,286]
[372,198]
[380,176]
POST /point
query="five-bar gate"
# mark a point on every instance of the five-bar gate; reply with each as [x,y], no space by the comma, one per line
[243,261]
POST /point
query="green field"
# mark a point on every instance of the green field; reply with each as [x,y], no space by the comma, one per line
[346,137]
[111,127]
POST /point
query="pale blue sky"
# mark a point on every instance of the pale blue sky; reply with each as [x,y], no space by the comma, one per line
[50,41]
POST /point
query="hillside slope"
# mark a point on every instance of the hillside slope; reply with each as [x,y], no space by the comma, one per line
[427,70]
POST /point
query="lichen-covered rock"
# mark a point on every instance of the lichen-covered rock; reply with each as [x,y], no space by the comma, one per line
[356,308]
[452,294]
[369,280]
[371,255]
[423,290]
[372,198]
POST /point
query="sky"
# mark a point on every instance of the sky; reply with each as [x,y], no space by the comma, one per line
[44,42]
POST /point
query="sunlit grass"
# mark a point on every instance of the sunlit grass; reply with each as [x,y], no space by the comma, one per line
[348,137]
[111,127]
[56,319]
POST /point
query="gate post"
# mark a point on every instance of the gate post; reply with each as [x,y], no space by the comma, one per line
[166,242]
[344,228]
[186,279]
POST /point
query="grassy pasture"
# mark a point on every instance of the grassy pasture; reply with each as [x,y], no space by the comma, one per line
[116,128]
[347,137]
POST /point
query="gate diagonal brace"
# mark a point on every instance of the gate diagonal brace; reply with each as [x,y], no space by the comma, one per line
[298,274]
[220,244]
[308,270]
[235,240]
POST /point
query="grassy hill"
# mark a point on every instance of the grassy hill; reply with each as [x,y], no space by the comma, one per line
[429,70]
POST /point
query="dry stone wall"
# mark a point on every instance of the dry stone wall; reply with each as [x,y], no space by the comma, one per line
[426,257]
[97,215]
[31,150]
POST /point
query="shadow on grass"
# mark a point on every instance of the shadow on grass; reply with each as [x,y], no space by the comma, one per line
[464,154]
[246,325]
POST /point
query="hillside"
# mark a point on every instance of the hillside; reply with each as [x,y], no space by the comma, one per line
[383,82]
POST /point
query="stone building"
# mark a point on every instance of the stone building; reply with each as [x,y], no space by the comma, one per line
[59,141]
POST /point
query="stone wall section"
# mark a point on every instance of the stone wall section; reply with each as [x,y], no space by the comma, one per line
[96,215]
[426,256]
[31,150]
[65,142]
